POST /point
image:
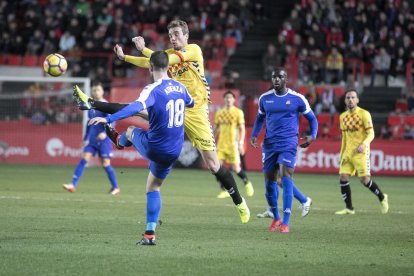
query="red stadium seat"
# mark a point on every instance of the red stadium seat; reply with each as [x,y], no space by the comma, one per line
[30,60]
[230,42]
[302,90]
[2,60]
[14,60]
[335,120]
[214,65]
[395,120]
[320,89]
[324,118]
[409,120]
[401,105]
[339,91]
[41,59]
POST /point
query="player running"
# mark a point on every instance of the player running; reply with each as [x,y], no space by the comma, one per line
[280,108]
[95,141]
[165,101]
[186,65]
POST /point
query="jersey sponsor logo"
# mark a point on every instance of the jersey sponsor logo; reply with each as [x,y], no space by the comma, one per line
[267,101]
[180,71]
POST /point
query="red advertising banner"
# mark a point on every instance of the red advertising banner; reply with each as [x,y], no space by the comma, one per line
[394,158]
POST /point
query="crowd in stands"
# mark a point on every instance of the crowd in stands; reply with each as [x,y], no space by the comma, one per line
[79,28]
[326,35]
[86,31]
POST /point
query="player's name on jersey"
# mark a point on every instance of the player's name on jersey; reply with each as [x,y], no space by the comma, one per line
[173,88]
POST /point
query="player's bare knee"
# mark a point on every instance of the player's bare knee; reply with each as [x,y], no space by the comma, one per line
[364,180]
[106,162]
[129,132]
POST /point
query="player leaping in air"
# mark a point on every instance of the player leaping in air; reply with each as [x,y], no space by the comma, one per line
[186,65]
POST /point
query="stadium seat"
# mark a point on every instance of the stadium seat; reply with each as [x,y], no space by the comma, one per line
[41,59]
[14,60]
[320,89]
[395,120]
[230,42]
[302,90]
[324,118]
[409,120]
[335,120]
[339,91]
[2,60]
[401,105]
[30,60]
[214,65]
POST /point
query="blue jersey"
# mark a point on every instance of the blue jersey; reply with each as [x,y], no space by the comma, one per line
[281,114]
[92,131]
[165,100]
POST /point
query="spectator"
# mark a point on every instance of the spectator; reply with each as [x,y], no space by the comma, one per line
[381,64]
[398,63]
[334,66]
[270,61]
[410,102]
[327,102]
[386,132]
[67,42]
[408,133]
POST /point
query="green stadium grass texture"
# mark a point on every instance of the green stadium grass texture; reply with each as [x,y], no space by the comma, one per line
[48,231]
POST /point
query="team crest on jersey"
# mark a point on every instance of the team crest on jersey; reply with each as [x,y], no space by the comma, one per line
[288,102]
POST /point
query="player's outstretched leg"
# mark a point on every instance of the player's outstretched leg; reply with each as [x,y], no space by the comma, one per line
[113,136]
[81,98]
[227,180]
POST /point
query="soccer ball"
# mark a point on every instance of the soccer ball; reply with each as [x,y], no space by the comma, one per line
[55,65]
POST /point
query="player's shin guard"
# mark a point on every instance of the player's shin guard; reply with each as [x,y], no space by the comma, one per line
[373,187]
[153,209]
[111,175]
[123,140]
[226,179]
[79,171]
[272,194]
[109,108]
[298,195]
[346,194]
[287,184]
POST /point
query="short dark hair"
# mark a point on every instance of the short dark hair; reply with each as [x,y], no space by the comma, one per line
[351,90]
[159,60]
[229,92]
[178,23]
[278,69]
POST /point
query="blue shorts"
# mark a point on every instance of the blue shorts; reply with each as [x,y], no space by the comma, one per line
[160,163]
[104,148]
[285,157]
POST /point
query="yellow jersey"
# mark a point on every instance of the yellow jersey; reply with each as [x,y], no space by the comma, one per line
[356,129]
[228,120]
[187,67]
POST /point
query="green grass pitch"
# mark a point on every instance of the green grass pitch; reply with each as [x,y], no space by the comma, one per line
[48,231]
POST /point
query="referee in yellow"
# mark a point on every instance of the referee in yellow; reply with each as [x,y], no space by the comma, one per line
[357,135]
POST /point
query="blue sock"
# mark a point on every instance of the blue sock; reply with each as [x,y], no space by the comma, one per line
[287,184]
[153,209]
[272,194]
[78,171]
[123,140]
[298,194]
[111,175]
